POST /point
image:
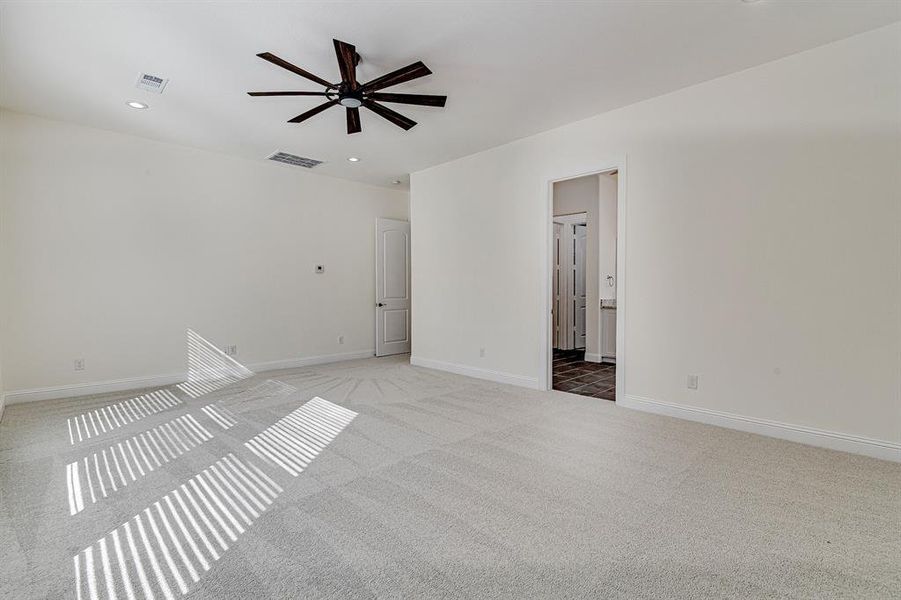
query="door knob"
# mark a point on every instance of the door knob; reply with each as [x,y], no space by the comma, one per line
[380,304]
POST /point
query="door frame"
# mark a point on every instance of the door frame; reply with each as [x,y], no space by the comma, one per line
[545,334]
[568,221]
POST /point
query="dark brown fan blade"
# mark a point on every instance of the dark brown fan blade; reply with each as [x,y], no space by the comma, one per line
[407,73]
[286,94]
[420,99]
[386,113]
[346,58]
[294,69]
[313,111]
[353,120]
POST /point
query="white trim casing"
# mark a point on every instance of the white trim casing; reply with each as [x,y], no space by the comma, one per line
[496,376]
[133,383]
[811,436]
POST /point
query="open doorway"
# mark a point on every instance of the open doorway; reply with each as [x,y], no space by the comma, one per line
[583,285]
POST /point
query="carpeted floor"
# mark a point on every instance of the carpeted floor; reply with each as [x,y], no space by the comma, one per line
[403,482]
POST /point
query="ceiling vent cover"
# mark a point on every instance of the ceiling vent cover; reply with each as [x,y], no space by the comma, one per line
[151,83]
[292,159]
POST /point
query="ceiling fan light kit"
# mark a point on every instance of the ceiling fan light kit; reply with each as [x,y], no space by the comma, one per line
[352,95]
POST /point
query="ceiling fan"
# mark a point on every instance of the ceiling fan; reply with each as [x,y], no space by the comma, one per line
[351,94]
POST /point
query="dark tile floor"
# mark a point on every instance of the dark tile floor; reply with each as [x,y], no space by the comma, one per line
[572,374]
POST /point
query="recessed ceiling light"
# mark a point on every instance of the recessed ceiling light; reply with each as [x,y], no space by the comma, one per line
[353,159]
[396,182]
[135,104]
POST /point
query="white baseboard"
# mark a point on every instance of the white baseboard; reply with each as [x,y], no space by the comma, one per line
[90,388]
[833,440]
[133,383]
[599,358]
[496,376]
[307,361]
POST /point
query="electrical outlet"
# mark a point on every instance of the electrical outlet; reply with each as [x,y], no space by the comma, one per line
[231,350]
[79,364]
[692,382]
[340,339]
[481,352]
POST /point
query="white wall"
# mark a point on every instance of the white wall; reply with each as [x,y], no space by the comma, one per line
[112,245]
[763,214]
[580,195]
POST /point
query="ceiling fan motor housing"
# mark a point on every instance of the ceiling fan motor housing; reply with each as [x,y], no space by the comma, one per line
[351,94]
[351,100]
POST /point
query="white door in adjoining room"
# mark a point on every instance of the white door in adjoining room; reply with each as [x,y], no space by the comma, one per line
[392,287]
[579,287]
[569,307]
[557,294]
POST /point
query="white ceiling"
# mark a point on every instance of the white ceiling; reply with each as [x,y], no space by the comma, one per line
[510,69]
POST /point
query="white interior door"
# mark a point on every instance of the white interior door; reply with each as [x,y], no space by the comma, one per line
[559,279]
[565,305]
[580,240]
[392,287]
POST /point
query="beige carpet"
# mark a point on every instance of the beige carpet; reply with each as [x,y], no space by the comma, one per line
[403,482]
